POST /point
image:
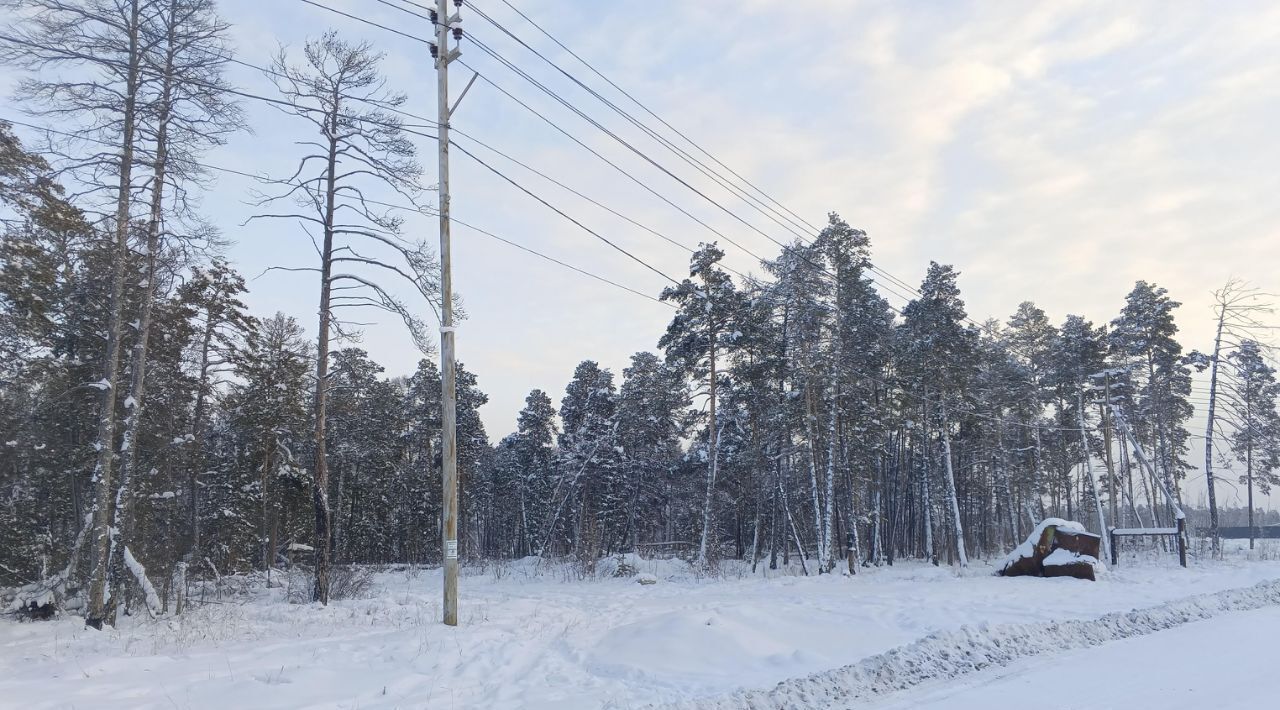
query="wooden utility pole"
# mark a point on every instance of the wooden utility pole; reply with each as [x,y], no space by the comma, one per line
[449,401]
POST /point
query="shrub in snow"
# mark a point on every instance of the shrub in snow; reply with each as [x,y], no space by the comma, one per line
[646,579]
[345,582]
[621,565]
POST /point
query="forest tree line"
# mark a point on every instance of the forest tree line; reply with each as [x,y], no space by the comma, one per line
[152,427]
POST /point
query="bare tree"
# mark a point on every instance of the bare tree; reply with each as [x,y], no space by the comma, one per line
[186,112]
[1236,307]
[361,146]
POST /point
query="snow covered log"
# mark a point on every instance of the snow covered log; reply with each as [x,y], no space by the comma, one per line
[1056,548]
[1065,563]
[1081,543]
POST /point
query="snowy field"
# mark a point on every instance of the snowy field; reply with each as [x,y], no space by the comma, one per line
[537,636]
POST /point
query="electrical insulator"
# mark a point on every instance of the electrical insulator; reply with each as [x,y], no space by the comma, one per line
[435,51]
[457,3]
[435,18]
[457,33]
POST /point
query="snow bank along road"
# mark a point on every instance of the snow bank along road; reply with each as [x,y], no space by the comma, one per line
[537,639]
[1224,663]
[953,654]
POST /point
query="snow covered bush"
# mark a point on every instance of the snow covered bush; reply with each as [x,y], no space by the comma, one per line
[345,582]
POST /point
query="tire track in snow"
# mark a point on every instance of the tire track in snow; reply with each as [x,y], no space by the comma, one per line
[969,649]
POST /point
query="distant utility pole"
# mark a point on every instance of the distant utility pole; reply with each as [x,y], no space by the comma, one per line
[449,404]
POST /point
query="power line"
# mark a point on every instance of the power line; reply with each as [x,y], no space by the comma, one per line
[563,186]
[647,110]
[485,145]
[291,105]
[619,139]
[595,123]
[524,75]
[554,260]
[610,163]
[720,179]
[885,282]
[751,200]
[560,212]
[653,133]
[372,121]
[785,247]
[408,11]
[389,205]
[409,129]
[367,22]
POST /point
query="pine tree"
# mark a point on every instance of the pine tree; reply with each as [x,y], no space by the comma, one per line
[1080,352]
[704,324]
[1143,338]
[421,467]
[652,417]
[937,351]
[588,460]
[267,411]
[474,454]
[534,462]
[222,322]
[1256,440]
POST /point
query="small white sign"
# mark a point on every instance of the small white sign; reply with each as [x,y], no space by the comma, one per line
[451,549]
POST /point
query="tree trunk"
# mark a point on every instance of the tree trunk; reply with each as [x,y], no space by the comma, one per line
[773,514]
[320,482]
[827,537]
[196,461]
[713,437]
[811,435]
[264,534]
[951,491]
[1093,482]
[1214,535]
[133,404]
[926,495]
[105,443]
[1249,484]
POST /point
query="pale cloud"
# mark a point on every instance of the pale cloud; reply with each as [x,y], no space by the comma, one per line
[1052,151]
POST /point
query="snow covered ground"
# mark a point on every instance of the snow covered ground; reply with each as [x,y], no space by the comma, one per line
[1226,662]
[537,637]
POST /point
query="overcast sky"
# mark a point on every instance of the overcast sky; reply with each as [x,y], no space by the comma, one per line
[1053,152]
